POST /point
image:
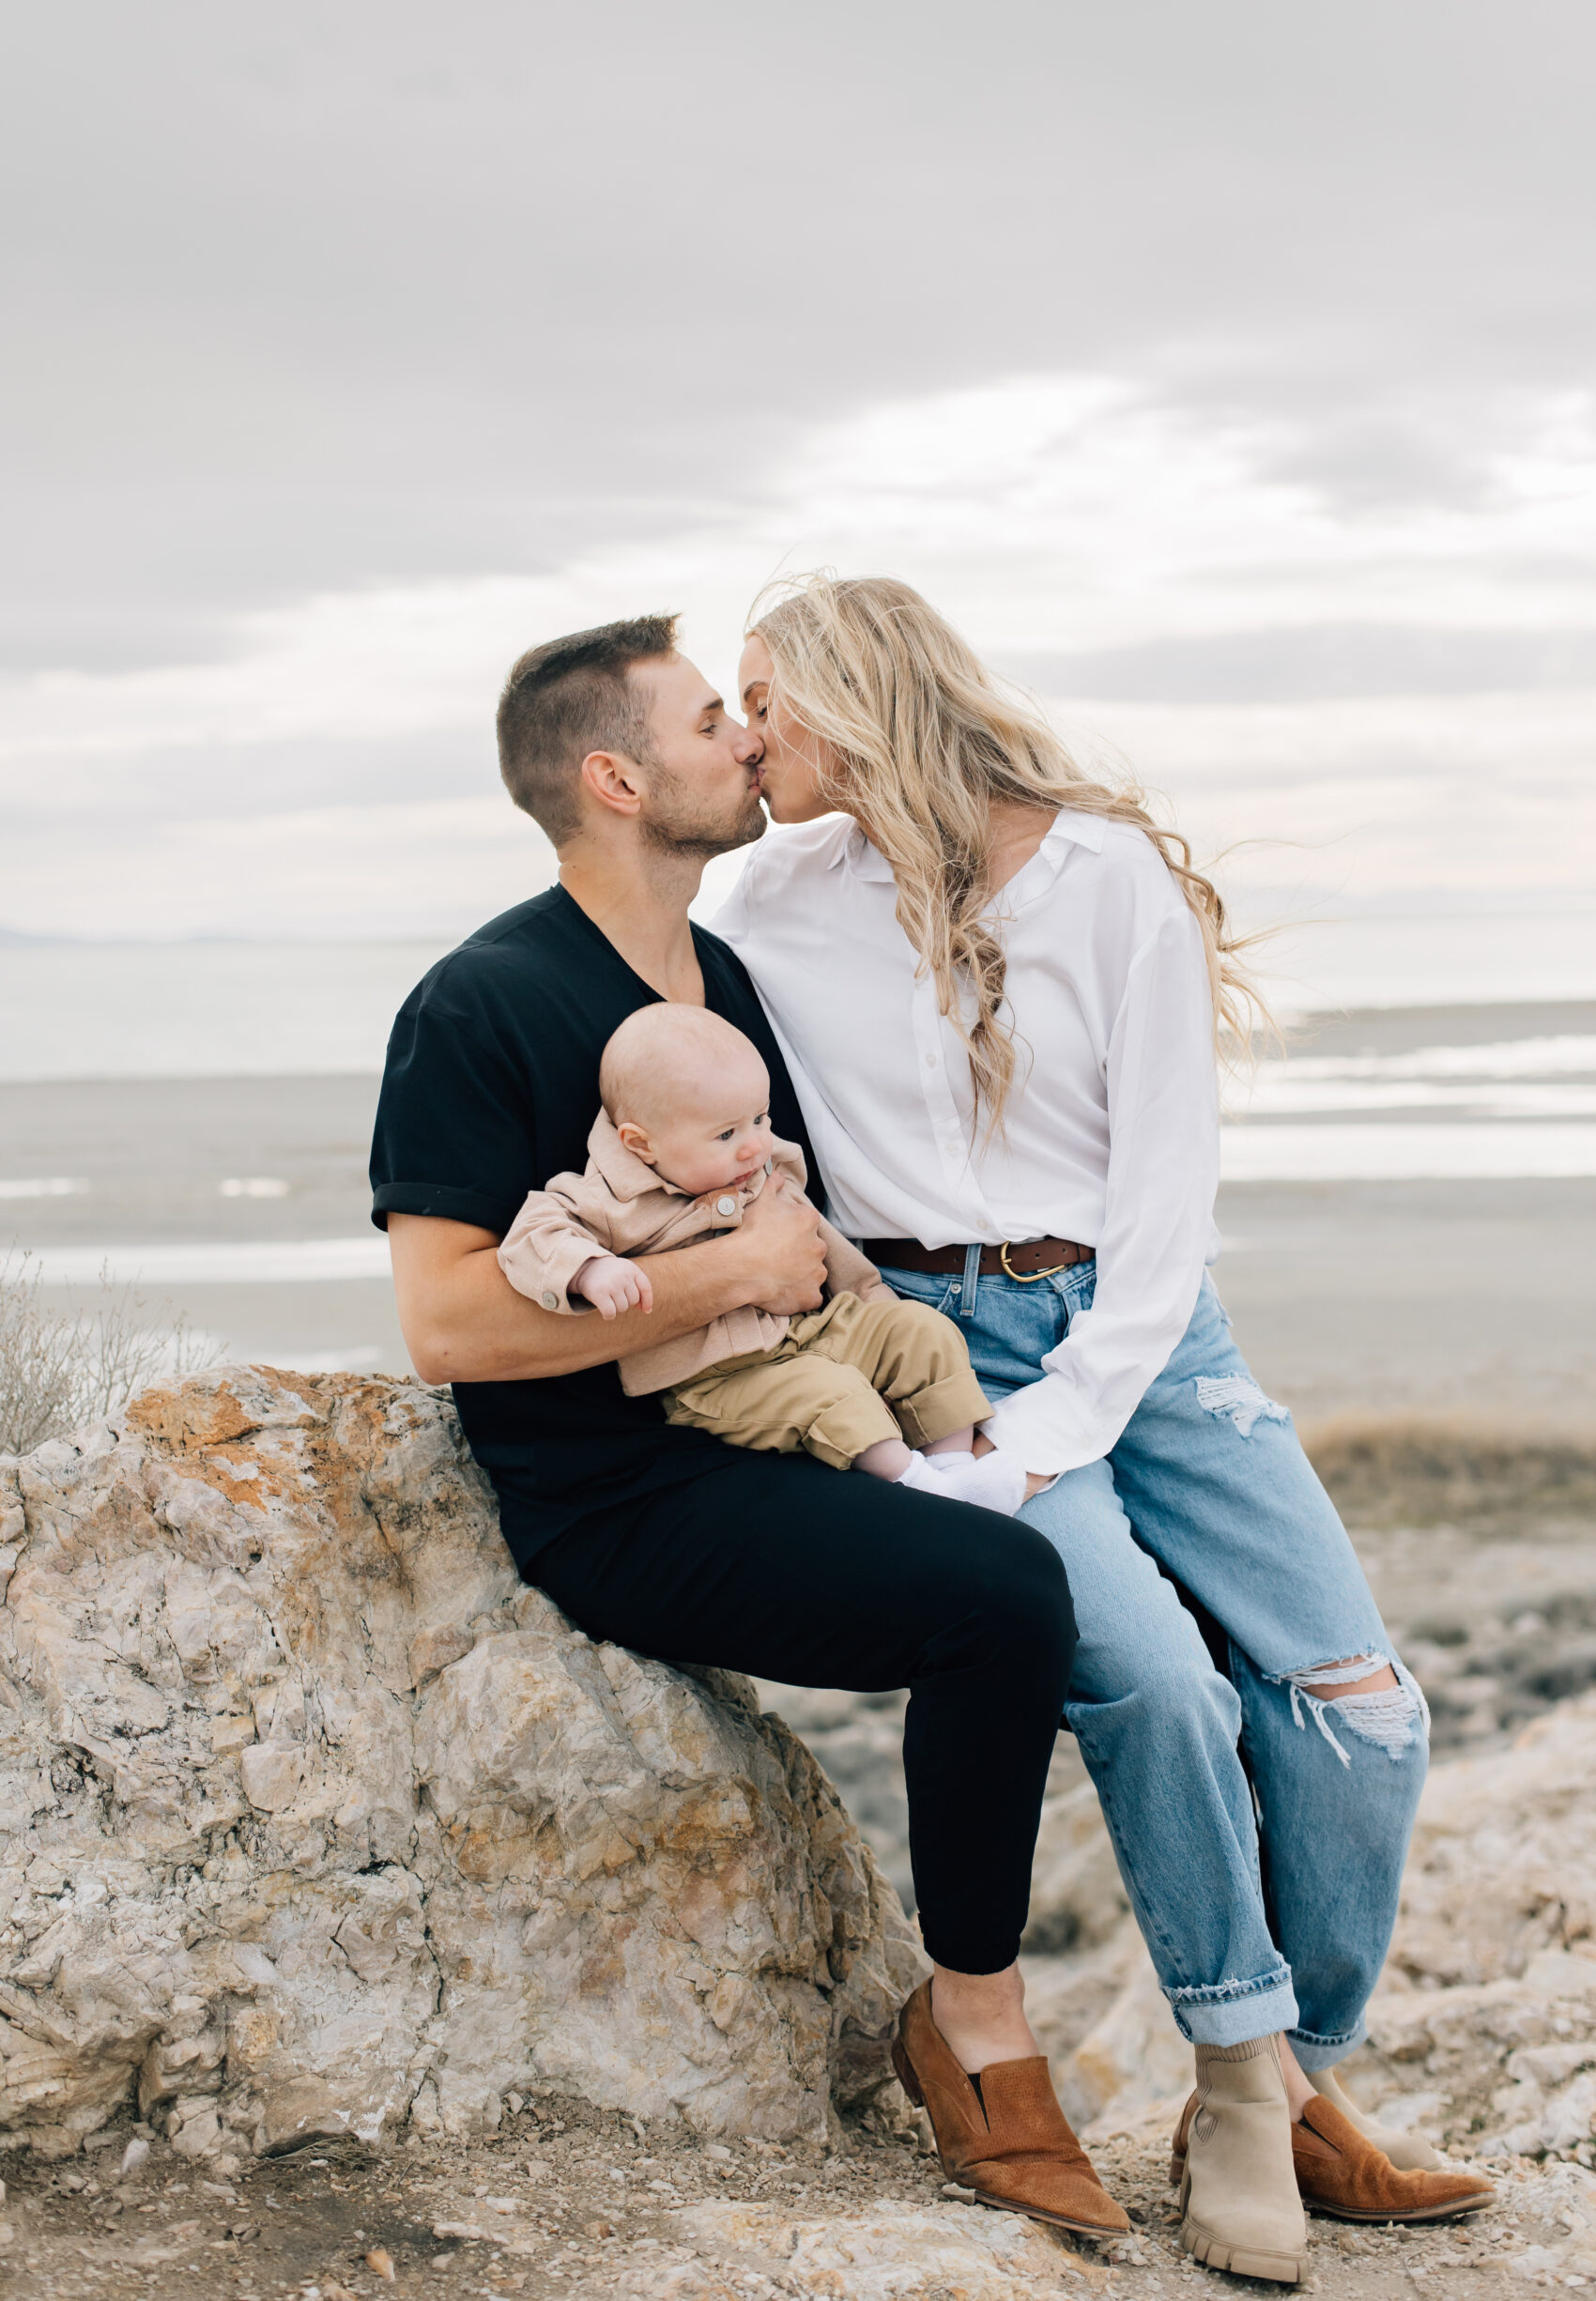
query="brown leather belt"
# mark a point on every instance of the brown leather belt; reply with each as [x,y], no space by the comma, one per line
[1034,1258]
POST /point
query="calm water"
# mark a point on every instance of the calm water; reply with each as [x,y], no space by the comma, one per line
[201,1010]
[1483,1067]
[195,1010]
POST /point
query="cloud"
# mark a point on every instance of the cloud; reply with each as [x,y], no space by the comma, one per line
[313,300]
[1372,799]
[332,770]
[1091,513]
[1315,662]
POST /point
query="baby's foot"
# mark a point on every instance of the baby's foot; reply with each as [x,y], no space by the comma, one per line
[994,1481]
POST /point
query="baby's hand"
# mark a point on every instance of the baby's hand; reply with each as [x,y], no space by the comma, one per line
[612,1284]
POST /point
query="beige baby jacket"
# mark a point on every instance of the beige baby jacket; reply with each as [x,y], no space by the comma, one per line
[619,1206]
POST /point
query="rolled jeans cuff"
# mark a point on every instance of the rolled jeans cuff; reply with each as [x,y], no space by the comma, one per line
[1232,2013]
[1313,2052]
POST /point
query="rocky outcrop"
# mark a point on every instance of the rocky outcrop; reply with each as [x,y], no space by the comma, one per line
[1487,2023]
[315,1819]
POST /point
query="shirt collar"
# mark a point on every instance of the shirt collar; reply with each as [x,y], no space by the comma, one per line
[1070,827]
[862,860]
[621,1170]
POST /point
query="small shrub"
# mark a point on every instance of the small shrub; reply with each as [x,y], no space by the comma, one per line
[62,1369]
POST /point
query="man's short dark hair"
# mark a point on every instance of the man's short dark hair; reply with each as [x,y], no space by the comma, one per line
[571,697]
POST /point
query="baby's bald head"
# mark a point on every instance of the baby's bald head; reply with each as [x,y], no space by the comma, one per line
[667,1057]
[689,1095]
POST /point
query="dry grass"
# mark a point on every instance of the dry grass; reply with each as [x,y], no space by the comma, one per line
[1412,1469]
[60,1370]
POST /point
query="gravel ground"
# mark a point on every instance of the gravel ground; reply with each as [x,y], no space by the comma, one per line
[569,2199]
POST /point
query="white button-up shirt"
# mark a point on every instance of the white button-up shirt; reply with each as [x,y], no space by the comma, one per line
[1110,1134]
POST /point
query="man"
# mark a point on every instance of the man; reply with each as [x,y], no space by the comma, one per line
[661,1539]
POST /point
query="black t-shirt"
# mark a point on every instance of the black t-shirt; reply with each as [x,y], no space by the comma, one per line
[490,1088]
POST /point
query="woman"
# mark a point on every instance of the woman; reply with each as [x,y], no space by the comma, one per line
[998,986]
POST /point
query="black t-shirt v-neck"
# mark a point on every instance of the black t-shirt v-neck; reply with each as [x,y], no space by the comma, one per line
[490,1087]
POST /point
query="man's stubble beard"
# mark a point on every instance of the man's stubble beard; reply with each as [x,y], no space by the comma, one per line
[673,826]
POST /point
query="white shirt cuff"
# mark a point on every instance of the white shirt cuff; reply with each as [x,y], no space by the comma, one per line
[1042,1425]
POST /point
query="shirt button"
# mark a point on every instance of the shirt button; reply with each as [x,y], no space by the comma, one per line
[549,1299]
[726,1206]
[931,1062]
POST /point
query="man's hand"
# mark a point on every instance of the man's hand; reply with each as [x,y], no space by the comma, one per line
[780,1242]
[610,1285]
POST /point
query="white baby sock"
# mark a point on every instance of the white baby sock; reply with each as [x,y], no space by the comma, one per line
[996,1481]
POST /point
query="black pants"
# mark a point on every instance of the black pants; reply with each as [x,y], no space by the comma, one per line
[785,1568]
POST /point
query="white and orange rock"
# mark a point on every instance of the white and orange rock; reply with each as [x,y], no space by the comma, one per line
[314,1819]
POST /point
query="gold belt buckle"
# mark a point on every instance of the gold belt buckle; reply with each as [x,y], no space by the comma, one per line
[1028,1278]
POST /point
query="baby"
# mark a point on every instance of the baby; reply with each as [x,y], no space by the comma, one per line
[682,1145]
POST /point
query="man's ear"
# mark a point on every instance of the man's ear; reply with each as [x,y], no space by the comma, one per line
[636,1141]
[613,780]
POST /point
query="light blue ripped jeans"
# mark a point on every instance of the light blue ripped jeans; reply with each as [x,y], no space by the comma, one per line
[1200,1771]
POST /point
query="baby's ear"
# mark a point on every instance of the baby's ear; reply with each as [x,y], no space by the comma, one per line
[636,1141]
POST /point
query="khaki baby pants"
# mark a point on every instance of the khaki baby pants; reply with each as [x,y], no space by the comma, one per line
[841,1378]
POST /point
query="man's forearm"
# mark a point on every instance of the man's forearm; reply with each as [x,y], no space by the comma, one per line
[467,1324]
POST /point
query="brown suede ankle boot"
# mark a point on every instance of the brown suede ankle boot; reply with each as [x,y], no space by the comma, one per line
[1409,2152]
[1007,2138]
[1341,2172]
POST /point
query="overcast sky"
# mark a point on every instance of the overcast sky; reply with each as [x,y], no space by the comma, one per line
[1227,372]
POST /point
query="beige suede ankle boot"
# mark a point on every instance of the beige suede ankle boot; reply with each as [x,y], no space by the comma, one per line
[1238,2195]
[1407,2152]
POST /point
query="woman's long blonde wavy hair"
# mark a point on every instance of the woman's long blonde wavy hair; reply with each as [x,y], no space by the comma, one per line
[919,738]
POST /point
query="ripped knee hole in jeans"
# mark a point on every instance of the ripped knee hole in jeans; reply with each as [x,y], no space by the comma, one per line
[1394,1718]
